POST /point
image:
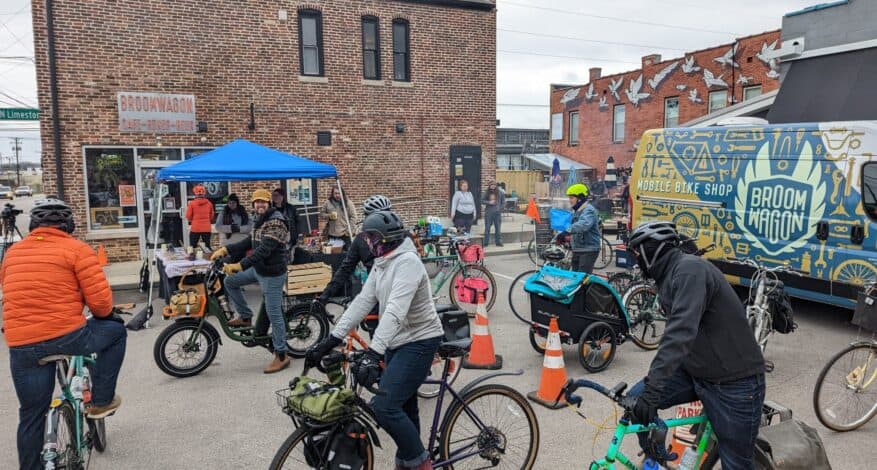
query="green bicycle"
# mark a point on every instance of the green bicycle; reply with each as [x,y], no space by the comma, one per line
[67,444]
[451,267]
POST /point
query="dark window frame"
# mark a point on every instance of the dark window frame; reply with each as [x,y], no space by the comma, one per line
[572,128]
[316,15]
[371,19]
[407,52]
[869,192]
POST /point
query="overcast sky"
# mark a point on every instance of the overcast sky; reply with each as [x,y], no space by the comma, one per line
[626,31]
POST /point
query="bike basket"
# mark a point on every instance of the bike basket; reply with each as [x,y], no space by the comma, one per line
[189,300]
[865,315]
[316,400]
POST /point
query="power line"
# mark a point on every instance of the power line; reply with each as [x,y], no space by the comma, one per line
[16,100]
[16,57]
[555,36]
[713,8]
[566,56]
[523,105]
[26,5]
[622,20]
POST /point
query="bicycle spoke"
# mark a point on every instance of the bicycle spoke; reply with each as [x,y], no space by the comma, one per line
[843,396]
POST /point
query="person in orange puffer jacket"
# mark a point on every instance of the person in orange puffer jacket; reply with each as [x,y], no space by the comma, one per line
[48,278]
[199,213]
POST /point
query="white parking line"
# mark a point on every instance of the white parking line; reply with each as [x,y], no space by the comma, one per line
[510,278]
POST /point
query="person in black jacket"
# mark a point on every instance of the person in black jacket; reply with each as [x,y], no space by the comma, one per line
[707,352]
[265,265]
[278,201]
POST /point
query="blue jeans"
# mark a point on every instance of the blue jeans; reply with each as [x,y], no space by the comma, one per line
[733,408]
[492,219]
[272,293]
[34,383]
[404,372]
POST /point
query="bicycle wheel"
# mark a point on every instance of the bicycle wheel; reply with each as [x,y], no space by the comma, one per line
[63,440]
[647,319]
[845,396]
[621,282]
[519,299]
[304,328]
[597,347]
[605,255]
[179,353]
[535,253]
[538,342]
[435,373]
[472,271]
[98,432]
[305,450]
[508,436]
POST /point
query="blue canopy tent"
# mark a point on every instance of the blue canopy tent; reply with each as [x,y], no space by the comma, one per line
[240,160]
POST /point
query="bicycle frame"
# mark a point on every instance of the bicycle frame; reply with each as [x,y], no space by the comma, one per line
[65,378]
[614,454]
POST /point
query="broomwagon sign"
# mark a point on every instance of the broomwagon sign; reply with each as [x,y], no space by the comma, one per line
[156,112]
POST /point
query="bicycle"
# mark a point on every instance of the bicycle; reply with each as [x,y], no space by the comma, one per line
[843,398]
[452,267]
[607,251]
[764,283]
[310,445]
[67,444]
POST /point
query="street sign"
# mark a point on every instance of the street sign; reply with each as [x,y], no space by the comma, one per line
[19,114]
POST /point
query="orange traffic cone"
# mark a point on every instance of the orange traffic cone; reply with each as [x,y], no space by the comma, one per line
[553,371]
[481,355]
[102,256]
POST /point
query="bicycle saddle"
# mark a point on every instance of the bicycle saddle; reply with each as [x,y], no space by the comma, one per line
[456,348]
[53,358]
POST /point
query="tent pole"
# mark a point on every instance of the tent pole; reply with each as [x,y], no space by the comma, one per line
[344,206]
[155,246]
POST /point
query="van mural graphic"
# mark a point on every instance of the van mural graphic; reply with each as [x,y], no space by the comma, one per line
[778,212]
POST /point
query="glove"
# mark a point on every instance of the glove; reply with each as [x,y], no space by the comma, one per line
[231,268]
[645,409]
[219,253]
[315,353]
[235,228]
[368,369]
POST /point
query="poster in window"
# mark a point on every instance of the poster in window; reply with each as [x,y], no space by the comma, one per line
[127,195]
[106,217]
[170,204]
[299,191]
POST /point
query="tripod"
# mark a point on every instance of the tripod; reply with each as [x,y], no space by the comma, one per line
[9,230]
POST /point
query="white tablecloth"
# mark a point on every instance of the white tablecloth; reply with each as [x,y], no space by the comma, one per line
[174,266]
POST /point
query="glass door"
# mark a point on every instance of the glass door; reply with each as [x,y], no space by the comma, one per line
[171,205]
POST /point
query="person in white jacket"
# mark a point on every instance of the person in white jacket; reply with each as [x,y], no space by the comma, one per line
[463,208]
[407,337]
[233,224]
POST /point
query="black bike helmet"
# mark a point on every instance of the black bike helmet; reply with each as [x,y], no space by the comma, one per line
[387,224]
[376,203]
[553,254]
[51,212]
[650,239]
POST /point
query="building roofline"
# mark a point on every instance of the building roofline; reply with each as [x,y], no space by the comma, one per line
[483,5]
[756,104]
[817,7]
[521,129]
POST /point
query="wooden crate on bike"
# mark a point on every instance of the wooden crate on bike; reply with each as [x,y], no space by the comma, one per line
[310,278]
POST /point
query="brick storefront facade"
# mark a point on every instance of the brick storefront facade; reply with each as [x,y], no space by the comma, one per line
[231,54]
[596,143]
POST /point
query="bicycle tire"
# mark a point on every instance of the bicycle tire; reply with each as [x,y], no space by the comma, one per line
[519,299]
[621,282]
[467,403]
[846,375]
[297,437]
[98,430]
[68,459]
[640,311]
[535,257]
[470,308]
[305,326]
[438,364]
[604,257]
[597,347]
[160,350]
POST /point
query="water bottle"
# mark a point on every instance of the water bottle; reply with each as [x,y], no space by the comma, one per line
[689,459]
[650,464]
[86,385]
[223,304]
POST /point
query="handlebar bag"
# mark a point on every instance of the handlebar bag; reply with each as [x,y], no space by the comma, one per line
[320,401]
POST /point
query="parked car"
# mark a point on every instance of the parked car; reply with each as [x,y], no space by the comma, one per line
[23,191]
[6,192]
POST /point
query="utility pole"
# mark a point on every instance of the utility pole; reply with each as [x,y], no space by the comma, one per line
[16,146]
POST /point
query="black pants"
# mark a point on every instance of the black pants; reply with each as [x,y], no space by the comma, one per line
[194,237]
[583,261]
[463,221]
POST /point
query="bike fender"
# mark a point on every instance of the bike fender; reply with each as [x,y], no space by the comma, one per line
[205,326]
[372,433]
[861,343]
[486,377]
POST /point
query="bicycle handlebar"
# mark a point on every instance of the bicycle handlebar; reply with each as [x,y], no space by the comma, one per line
[333,359]
[615,394]
[776,269]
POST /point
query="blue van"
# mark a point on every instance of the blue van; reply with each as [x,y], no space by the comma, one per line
[803,194]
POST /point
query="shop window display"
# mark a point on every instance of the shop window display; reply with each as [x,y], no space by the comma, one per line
[111,184]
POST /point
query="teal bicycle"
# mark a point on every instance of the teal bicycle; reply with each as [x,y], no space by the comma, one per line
[70,434]
[454,268]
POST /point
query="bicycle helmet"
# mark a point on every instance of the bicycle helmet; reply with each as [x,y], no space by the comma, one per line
[199,190]
[383,231]
[578,190]
[51,212]
[649,240]
[376,203]
[553,253]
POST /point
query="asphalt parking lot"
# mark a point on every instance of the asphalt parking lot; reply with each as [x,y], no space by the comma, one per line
[227,416]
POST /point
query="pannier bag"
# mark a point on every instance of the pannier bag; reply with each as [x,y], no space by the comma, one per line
[471,254]
[780,305]
[556,284]
[865,316]
[467,289]
[790,445]
[320,401]
[349,448]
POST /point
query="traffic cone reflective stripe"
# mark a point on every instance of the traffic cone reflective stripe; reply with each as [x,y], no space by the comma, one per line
[481,354]
[553,371]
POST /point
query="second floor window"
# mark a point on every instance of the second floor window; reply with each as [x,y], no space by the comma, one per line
[573,128]
[751,92]
[618,123]
[671,112]
[401,55]
[310,39]
[371,49]
[718,100]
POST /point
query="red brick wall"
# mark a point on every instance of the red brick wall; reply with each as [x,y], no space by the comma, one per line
[230,53]
[595,124]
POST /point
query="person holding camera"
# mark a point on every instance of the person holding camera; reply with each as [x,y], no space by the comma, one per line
[234,224]
[34,327]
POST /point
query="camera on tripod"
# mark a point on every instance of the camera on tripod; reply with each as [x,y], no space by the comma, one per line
[10,212]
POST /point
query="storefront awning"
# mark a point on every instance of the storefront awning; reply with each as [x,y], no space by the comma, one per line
[544,161]
[838,87]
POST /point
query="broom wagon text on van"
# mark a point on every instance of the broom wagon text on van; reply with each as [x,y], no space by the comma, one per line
[777,212]
[684,187]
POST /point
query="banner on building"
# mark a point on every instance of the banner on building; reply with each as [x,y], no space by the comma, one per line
[156,112]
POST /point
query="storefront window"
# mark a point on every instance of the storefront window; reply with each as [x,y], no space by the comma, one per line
[159,154]
[217,192]
[194,152]
[111,184]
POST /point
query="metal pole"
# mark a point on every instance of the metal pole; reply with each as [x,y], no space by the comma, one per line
[17,149]
[344,206]
[53,89]
[155,246]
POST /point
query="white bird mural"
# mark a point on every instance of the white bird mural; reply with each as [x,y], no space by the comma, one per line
[633,91]
[692,96]
[614,86]
[766,50]
[663,74]
[728,58]
[603,103]
[589,95]
[689,66]
[743,80]
[681,87]
[570,95]
[773,74]
[711,80]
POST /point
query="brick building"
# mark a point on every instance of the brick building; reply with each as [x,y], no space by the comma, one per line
[590,122]
[399,95]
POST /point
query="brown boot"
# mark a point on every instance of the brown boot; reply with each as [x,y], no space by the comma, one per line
[239,322]
[280,362]
[98,412]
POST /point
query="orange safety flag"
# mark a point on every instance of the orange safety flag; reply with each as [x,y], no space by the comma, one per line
[533,212]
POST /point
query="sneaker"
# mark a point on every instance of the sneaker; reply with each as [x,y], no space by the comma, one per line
[240,322]
[277,364]
[500,245]
[100,412]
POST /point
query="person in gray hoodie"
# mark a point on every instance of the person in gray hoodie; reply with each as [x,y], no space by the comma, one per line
[463,208]
[407,337]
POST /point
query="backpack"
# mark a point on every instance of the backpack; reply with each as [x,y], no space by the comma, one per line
[790,445]
[781,309]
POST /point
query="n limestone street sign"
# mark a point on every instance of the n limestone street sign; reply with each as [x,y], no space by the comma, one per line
[19,114]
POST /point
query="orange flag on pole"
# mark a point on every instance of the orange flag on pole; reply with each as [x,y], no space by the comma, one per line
[532,211]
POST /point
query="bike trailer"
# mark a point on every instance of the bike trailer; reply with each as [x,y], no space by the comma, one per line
[576,299]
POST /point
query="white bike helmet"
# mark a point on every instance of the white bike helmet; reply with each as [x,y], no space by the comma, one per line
[376,203]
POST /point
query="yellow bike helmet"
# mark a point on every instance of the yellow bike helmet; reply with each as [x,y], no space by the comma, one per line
[578,190]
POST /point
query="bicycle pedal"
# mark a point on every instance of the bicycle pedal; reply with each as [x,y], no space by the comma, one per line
[768,366]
